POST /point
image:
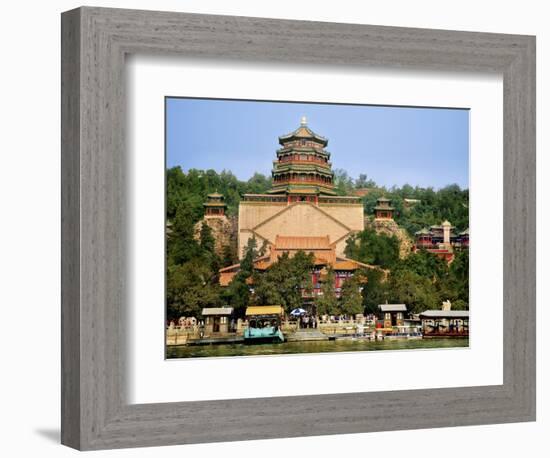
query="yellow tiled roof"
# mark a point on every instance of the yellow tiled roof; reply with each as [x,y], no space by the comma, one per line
[264,310]
[262,265]
[345,265]
[302,243]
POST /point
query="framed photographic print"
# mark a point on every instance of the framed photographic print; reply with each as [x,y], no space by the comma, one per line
[287,207]
[301,257]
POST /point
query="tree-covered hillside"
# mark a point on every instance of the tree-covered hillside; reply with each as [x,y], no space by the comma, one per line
[190,189]
[421,280]
[434,206]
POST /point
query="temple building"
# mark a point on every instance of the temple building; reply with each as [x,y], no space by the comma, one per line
[215,218]
[302,170]
[383,209]
[301,213]
[215,205]
[442,240]
[302,201]
[325,257]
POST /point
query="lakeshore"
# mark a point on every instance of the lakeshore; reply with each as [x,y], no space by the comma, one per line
[328,346]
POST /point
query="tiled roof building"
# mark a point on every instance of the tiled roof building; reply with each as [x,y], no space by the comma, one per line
[325,257]
[302,201]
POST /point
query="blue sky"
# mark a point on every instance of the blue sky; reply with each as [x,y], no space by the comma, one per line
[428,147]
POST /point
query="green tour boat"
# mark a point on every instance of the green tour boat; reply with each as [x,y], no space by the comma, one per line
[264,324]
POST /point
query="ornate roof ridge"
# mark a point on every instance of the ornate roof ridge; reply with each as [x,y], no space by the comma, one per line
[303,131]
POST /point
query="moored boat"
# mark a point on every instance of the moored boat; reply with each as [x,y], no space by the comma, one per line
[264,324]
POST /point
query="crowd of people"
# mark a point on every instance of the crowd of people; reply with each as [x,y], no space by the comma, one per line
[307,322]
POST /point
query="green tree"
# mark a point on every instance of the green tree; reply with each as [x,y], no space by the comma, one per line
[195,185]
[292,277]
[263,250]
[454,286]
[364,182]
[258,184]
[417,292]
[237,294]
[375,291]
[182,246]
[189,289]
[460,268]
[343,182]
[351,299]
[207,245]
[424,264]
[285,281]
[327,302]
[238,291]
[206,238]
[460,305]
[229,255]
[250,254]
[423,279]
[266,291]
[302,265]
[371,248]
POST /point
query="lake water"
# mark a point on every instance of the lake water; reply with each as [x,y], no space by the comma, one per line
[327,346]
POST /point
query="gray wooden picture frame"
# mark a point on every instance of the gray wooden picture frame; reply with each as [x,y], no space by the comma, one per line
[95,413]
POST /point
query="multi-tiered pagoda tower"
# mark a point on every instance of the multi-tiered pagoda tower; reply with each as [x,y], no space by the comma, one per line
[302,203]
[302,169]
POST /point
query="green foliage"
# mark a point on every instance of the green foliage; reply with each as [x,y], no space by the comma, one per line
[206,238]
[192,188]
[450,202]
[351,300]
[266,290]
[456,286]
[460,268]
[375,292]
[190,288]
[372,248]
[327,303]
[263,250]
[192,266]
[421,280]
[460,305]
[251,253]
[343,183]
[237,293]
[258,184]
[284,282]
[417,292]
[424,264]
[181,245]
[364,182]
[229,255]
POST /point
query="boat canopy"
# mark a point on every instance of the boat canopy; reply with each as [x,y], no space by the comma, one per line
[264,310]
